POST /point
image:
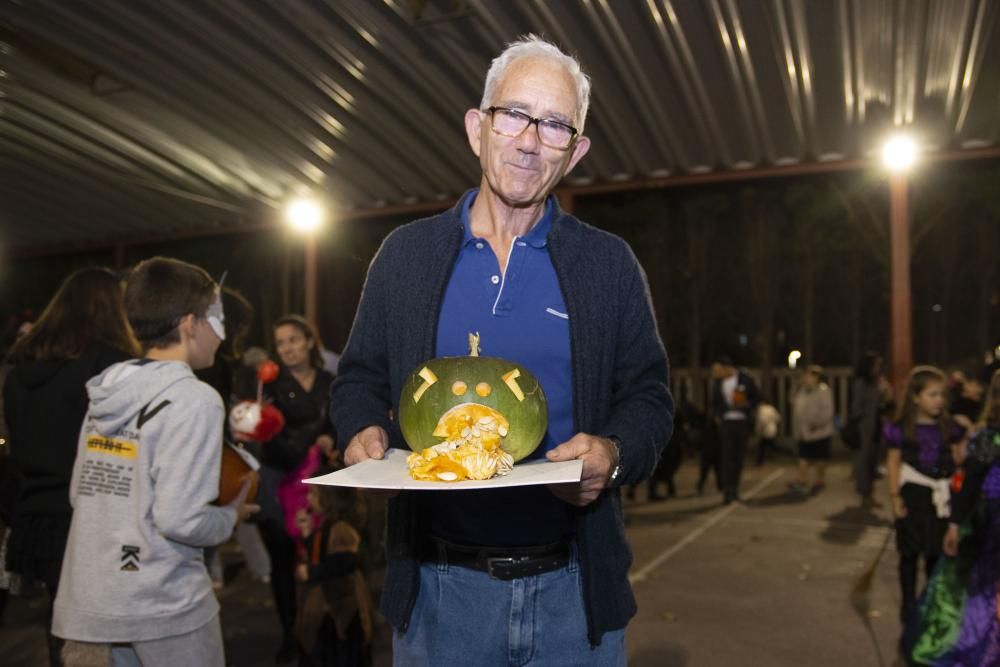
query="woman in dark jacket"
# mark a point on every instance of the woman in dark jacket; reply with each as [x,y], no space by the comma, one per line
[82,331]
[301,393]
[868,396]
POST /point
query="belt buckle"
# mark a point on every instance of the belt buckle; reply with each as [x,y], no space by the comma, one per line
[491,562]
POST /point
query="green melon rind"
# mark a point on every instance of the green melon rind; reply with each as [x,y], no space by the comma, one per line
[528,419]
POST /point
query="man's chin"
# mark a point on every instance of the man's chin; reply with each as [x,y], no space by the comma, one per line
[521,197]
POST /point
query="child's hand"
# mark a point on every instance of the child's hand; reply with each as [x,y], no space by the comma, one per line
[950,545]
[898,507]
[325,443]
[243,509]
[302,572]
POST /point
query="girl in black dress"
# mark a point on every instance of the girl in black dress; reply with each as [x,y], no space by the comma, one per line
[925,447]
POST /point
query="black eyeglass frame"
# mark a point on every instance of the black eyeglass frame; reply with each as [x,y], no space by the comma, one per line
[533,121]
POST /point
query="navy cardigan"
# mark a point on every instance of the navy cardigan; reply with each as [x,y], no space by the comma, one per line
[620,386]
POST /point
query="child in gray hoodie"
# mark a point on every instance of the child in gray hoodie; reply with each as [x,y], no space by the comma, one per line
[146,473]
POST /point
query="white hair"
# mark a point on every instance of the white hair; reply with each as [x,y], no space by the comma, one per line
[532,46]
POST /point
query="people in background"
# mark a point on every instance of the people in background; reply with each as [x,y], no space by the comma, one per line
[81,332]
[734,401]
[301,393]
[812,421]
[869,394]
[334,625]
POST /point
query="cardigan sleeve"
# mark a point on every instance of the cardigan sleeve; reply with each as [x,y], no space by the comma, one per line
[642,410]
[360,394]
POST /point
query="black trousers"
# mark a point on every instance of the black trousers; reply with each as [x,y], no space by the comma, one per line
[734,434]
[281,548]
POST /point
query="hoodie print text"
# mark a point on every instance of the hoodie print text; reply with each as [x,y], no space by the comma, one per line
[111,471]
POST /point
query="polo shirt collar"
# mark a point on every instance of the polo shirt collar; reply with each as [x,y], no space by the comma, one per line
[538,236]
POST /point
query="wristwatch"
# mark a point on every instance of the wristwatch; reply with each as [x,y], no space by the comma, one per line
[616,472]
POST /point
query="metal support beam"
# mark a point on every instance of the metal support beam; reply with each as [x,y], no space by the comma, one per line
[311,309]
[426,207]
[901,308]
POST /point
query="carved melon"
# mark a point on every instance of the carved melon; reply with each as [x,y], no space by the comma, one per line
[479,414]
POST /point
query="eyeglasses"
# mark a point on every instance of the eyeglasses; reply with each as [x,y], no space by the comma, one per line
[552,133]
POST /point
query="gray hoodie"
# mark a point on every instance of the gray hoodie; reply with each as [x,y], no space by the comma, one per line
[147,467]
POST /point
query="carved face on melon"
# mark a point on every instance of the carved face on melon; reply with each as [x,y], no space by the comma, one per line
[473,409]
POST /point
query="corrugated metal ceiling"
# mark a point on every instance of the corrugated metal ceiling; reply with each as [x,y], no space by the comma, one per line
[125,119]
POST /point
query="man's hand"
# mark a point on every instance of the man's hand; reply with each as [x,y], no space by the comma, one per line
[599,459]
[369,443]
[240,504]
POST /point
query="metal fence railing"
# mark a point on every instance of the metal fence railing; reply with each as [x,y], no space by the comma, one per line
[782,387]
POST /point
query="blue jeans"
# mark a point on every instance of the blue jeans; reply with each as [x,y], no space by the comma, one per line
[463,617]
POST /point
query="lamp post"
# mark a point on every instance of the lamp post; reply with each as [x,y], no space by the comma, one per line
[306,216]
[899,154]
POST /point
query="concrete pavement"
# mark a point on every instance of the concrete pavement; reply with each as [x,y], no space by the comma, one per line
[780,579]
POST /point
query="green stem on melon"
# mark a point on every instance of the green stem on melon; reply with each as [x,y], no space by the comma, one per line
[474,344]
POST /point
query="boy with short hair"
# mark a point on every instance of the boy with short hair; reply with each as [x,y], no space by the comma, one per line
[146,473]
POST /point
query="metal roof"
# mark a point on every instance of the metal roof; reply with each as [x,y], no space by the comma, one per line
[126,119]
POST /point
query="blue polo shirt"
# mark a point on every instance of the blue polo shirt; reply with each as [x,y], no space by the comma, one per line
[520,315]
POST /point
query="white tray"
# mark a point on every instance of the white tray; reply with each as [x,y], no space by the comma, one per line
[391,473]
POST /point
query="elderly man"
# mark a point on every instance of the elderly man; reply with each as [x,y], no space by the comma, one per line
[529,573]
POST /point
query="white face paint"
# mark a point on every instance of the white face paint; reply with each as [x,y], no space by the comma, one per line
[215,315]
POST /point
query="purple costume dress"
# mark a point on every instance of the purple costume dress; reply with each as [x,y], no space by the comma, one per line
[920,533]
[957,620]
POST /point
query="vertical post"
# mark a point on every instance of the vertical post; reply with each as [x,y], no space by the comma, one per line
[311,309]
[901,310]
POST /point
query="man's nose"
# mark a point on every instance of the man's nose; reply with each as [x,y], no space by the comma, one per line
[528,140]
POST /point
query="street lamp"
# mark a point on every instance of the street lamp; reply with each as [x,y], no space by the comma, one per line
[793,358]
[899,154]
[306,215]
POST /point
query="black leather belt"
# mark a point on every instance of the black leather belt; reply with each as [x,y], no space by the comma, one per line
[504,563]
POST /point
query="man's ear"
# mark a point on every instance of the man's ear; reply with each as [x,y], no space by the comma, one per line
[580,148]
[474,129]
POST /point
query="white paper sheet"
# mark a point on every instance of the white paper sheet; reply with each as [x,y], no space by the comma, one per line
[391,473]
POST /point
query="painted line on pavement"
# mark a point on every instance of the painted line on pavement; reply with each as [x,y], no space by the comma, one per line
[643,572]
